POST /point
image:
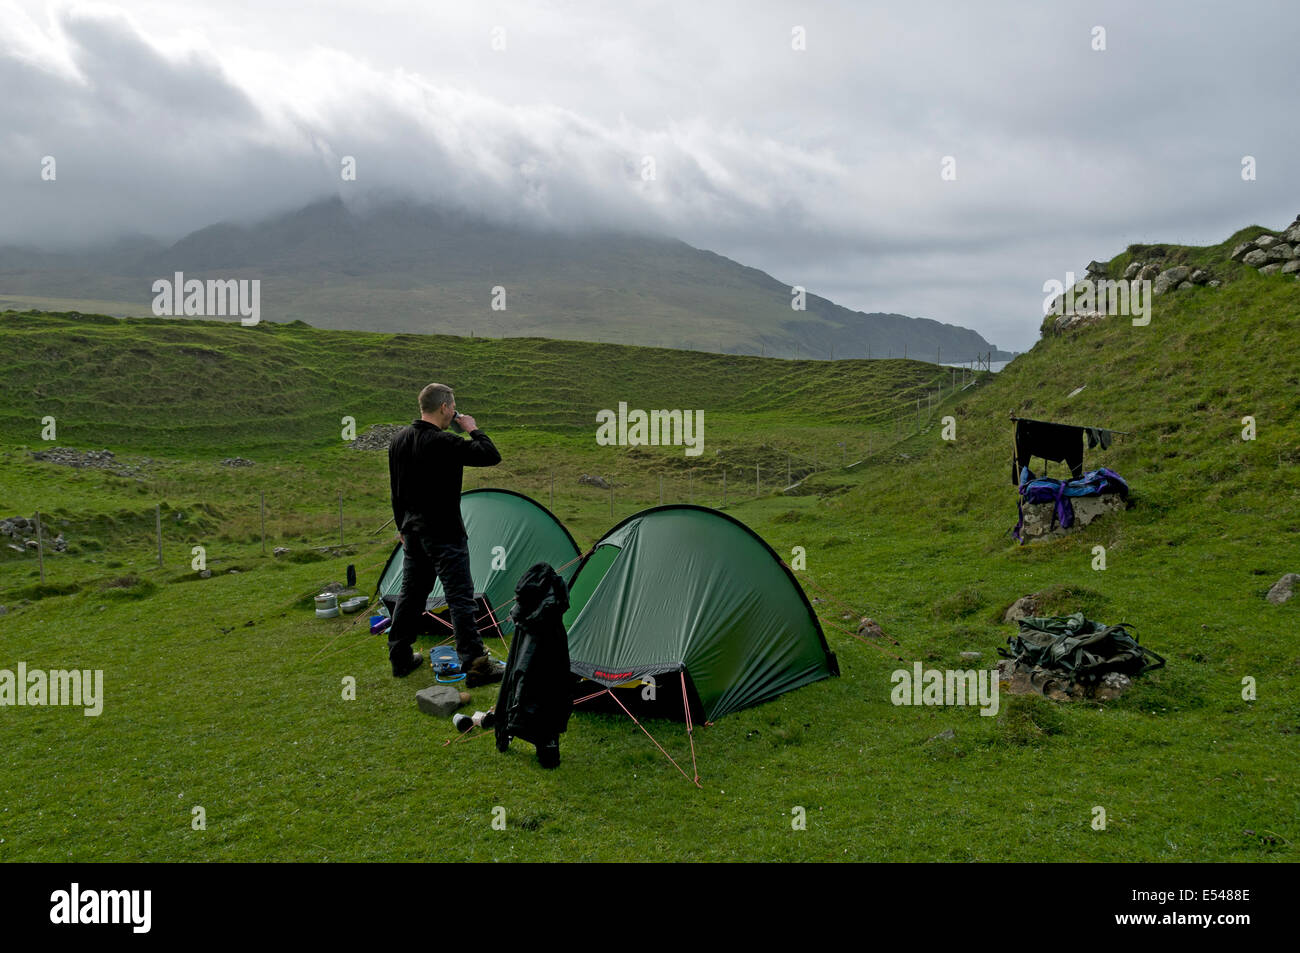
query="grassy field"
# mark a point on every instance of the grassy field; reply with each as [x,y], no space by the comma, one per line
[226,693]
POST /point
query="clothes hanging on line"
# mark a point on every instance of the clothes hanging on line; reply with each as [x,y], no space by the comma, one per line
[1055,442]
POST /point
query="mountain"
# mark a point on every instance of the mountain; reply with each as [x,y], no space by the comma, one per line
[406,268]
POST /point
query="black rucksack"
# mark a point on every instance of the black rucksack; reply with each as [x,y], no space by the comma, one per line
[536,696]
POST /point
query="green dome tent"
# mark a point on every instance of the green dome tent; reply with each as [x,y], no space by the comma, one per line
[526,533]
[688,589]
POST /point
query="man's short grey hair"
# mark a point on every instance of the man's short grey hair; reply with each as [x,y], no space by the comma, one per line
[434,396]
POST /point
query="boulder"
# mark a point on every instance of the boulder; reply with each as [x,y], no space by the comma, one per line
[1149,271]
[205,573]
[1266,241]
[1281,252]
[1214,283]
[1132,271]
[60,544]
[1241,250]
[1272,269]
[439,700]
[596,481]
[1177,274]
[1097,269]
[1026,607]
[1291,267]
[971,656]
[1293,234]
[1199,277]
[1283,589]
[1185,285]
[280,551]
[1161,285]
[1255,258]
[1040,521]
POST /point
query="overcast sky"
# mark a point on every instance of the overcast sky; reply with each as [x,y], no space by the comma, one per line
[819,165]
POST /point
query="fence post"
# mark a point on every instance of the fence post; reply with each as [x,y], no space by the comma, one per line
[724,486]
[261,505]
[661,489]
[757,485]
[552,490]
[340,517]
[787,469]
[611,500]
[157,525]
[40,549]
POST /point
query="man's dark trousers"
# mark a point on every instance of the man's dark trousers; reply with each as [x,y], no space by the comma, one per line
[423,563]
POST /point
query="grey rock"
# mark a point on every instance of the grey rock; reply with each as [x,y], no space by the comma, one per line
[60,544]
[377,437]
[1271,269]
[438,700]
[1291,267]
[1132,271]
[1283,589]
[1293,234]
[1161,285]
[1023,608]
[1255,258]
[1113,684]
[205,574]
[596,481]
[31,544]
[870,629]
[1214,283]
[4,610]
[1176,274]
[15,547]
[1185,285]
[946,735]
[1266,241]
[971,656]
[1040,521]
[279,550]
[1199,277]
[1241,250]
[1149,271]
[1281,252]
[1097,269]
[236,462]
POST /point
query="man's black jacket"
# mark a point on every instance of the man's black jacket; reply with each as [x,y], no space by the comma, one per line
[425,466]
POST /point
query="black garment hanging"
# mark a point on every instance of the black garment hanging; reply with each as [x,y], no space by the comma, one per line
[1056,442]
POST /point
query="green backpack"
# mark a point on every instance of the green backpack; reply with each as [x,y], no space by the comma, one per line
[1080,648]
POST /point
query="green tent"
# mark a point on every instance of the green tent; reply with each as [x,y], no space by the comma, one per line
[508,532]
[689,589]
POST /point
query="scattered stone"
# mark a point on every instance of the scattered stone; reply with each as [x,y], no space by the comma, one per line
[16,548]
[92,459]
[205,574]
[438,700]
[376,437]
[1281,252]
[31,544]
[1291,267]
[596,481]
[236,462]
[1113,684]
[1132,271]
[1266,241]
[279,551]
[1214,283]
[59,544]
[1149,271]
[1283,589]
[1272,269]
[946,735]
[1183,286]
[1255,258]
[234,571]
[971,656]
[1199,277]
[870,629]
[1241,250]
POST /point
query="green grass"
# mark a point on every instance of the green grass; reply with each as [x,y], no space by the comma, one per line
[227,692]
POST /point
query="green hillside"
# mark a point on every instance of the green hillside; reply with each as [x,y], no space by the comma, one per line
[224,693]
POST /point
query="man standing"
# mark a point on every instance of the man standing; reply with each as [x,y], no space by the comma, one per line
[425,466]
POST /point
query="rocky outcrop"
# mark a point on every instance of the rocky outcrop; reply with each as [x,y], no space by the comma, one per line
[1272,253]
[1040,522]
[377,437]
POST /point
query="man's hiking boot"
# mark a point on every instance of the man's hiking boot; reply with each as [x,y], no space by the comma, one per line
[401,671]
[483,671]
